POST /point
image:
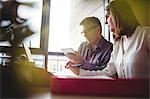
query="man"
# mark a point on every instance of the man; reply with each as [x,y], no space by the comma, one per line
[93,54]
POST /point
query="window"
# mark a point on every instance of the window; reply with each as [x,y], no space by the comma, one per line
[65,17]
[33,13]
[34,16]
[59,35]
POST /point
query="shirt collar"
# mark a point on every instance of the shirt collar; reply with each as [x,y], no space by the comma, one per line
[99,44]
[134,32]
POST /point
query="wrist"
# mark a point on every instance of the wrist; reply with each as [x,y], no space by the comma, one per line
[84,62]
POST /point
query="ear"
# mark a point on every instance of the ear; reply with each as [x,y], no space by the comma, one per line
[99,30]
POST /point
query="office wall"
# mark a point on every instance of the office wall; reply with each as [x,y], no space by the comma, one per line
[81,9]
[149,13]
[141,9]
[84,8]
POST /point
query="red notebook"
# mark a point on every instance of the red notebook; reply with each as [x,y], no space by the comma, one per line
[105,87]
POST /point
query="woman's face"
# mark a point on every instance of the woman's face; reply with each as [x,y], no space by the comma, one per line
[111,22]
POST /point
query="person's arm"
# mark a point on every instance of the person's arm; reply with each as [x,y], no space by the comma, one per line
[101,64]
[108,71]
[86,65]
[78,57]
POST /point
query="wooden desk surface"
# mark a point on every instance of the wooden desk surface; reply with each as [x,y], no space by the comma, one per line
[45,93]
[49,95]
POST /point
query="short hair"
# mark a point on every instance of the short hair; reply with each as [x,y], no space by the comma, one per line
[123,15]
[91,20]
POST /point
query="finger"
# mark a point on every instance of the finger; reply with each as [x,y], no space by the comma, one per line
[76,52]
[70,56]
[67,66]
[74,69]
[69,62]
[71,53]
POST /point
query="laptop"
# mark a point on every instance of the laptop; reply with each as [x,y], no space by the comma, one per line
[28,53]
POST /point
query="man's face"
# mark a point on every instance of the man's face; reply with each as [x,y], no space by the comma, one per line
[90,32]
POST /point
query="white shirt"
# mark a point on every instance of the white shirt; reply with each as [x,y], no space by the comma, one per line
[130,57]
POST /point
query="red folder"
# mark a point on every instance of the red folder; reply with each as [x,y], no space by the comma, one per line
[105,87]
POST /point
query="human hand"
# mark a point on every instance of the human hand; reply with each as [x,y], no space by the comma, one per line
[75,57]
[74,69]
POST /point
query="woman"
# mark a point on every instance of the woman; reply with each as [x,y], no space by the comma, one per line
[131,50]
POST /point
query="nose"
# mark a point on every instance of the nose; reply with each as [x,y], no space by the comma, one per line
[87,36]
[84,34]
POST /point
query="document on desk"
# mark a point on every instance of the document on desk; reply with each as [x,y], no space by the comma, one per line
[84,77]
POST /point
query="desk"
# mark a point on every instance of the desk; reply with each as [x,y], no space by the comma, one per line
[49,95]
[76,88]
[123,91]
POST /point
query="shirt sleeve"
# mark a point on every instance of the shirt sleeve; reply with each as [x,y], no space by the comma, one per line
[108,71]
[86,65]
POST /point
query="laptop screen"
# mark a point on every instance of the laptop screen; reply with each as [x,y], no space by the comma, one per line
[28,53]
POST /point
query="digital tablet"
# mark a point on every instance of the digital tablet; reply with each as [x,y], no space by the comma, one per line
[68,50]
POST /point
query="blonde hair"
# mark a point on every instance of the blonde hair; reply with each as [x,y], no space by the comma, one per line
[91,21]
[124,17]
